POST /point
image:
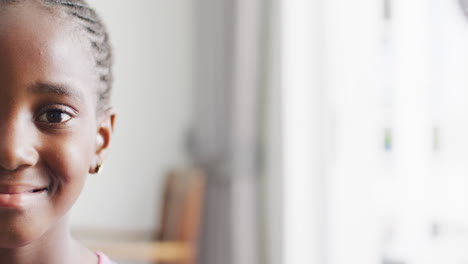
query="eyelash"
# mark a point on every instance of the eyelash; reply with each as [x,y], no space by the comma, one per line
[44,115]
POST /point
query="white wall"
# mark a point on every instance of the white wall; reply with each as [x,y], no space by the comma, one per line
[153,95]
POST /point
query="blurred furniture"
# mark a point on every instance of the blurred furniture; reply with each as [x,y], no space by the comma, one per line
[176,241]
[182,211]
[147,251]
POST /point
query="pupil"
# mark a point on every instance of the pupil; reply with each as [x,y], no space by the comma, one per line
[54,116]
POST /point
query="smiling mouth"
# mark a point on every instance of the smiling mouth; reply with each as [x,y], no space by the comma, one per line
[20,190]
[21,196]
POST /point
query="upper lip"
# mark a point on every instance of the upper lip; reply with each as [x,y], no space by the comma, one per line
[20,188]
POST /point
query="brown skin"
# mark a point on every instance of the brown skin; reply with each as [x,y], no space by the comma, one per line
[48,138]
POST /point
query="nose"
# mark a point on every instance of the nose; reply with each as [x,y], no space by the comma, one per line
[16,148]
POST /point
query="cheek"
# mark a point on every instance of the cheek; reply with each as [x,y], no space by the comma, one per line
[67,162]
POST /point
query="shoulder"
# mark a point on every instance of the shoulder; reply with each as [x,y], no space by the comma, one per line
[103,259]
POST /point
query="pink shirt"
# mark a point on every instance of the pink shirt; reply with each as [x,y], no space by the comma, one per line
[103,259]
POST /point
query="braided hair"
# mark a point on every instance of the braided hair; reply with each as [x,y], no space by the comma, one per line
[87,18]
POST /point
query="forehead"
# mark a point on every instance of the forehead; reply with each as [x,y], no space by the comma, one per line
[41,45]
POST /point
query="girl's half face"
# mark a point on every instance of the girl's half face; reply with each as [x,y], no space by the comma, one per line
[48,121]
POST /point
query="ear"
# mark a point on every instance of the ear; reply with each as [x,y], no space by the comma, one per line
[105,130]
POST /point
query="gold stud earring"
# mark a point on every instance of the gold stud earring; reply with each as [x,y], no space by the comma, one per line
[98,168]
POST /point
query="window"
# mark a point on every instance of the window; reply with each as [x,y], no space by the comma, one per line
[375,118]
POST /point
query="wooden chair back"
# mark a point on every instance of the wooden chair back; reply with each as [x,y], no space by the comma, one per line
[182,207]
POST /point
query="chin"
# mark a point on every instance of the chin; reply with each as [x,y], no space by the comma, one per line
[14,241]
[19,235]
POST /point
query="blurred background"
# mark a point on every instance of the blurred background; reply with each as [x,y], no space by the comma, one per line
[284,132]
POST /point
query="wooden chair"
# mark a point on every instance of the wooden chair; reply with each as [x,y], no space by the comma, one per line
[182,211]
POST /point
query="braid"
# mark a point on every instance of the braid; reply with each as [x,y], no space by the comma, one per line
[92,24]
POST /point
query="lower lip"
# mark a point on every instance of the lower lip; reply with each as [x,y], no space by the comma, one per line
[19,200]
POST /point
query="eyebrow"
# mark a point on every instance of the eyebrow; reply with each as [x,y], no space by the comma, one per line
[58,89]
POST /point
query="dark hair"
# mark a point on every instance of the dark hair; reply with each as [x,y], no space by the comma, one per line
[87,18]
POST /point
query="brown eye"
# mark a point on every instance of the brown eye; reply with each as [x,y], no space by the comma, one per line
[54,116]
